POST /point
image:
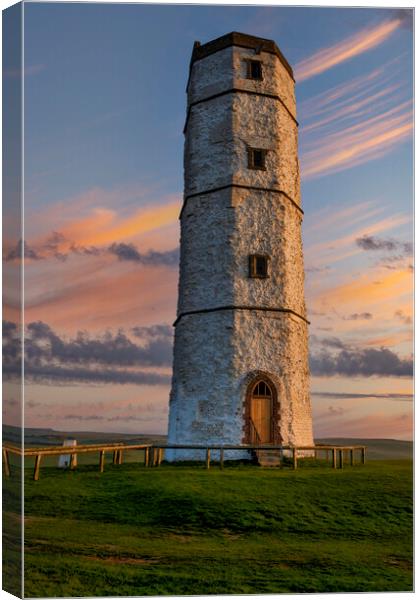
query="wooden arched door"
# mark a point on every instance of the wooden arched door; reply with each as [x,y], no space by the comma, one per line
[261,413]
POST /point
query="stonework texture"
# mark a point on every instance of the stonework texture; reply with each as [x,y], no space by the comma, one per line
[230,212]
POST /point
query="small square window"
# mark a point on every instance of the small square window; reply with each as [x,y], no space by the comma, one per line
[258,266]
[256,158]
[254,69]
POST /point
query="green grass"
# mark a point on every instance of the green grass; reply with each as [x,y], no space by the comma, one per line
[185,530]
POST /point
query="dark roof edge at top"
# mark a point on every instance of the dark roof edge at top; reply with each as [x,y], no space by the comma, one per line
[239,39]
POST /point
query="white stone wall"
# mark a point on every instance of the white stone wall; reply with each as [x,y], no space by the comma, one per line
[217,353]
[206,252]
[227,69]
[267,223]
[220,130]
[211,75]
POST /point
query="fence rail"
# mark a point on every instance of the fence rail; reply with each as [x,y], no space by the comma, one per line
[154,453]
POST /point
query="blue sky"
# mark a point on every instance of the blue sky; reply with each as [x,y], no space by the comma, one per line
[105,106]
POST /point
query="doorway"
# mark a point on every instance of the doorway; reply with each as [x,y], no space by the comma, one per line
[261,413]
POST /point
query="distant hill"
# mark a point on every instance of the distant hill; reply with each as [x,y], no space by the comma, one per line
[377,449]
[51,437]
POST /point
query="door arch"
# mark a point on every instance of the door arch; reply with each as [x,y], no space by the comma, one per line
[261,412]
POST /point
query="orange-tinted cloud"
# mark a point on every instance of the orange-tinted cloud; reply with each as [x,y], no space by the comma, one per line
[366,291]
[103,226]
[98,293]
[352,46]
[354,108]
[347,216]
[349,239]
[349,147]
[378,425]
[342,94]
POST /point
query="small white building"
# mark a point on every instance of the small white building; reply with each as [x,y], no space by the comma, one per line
[64,460]
[240,371]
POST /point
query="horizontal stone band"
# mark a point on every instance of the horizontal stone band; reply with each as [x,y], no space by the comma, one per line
[220,308]
[240,186]
[238,91]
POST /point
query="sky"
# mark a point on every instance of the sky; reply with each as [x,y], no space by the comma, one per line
[105,106]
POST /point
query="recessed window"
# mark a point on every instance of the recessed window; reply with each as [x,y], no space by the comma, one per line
[256,158]
[261,389]
[254,69]
[258,265]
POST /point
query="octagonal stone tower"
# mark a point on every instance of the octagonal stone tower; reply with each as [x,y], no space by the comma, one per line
[240,372]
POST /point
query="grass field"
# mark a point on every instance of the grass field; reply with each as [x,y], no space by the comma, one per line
[185,530]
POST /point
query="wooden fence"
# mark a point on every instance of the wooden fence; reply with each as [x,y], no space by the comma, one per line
[154,454]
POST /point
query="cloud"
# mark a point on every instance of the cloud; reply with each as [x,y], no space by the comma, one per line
[330,246]
[53,375]
[365,316]
[314,269]
[83,417]
[377,425]
[352,108]
[346,93]
[108,358]
[367,291]
[350,396]
[360,363]
[370,242]
[336,410]
[352,46]
[42,343]
[406,319]
[406,17]
[12,348]
[330,342]
[129,252]
[124,252]
[123,418]
[353,145]
[391,262]
[104,226]
[332,217]
[15,252]
[359,120]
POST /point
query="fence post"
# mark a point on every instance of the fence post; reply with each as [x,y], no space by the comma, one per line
[363,455]
[334,458]
[208,458]
[37,466]
[114,457]
[159,460]
[351,457]
[73,461]
[295,461]
[101,460]
[6,463]
[222,452]
[340,459]
[146,457]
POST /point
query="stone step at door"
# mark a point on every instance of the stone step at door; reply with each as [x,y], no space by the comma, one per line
[268,458]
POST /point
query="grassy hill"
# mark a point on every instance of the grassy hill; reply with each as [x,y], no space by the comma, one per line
[185,530]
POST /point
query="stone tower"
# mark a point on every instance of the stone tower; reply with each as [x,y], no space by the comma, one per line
[240,372]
